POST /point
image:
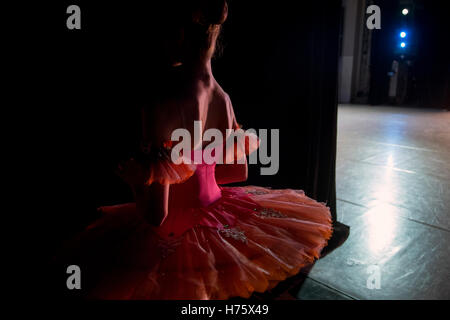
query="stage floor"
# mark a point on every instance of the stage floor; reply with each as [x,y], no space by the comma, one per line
[393,190]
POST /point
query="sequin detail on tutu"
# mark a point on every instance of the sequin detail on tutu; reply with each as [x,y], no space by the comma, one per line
[168,247]
[270,213]
[256,192]
[234,233]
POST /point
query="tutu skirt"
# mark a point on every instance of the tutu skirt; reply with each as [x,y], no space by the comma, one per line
[270,236]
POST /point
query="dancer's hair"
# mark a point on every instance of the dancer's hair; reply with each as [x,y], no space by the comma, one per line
[196,25]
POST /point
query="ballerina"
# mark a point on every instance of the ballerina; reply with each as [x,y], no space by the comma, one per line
[187,236]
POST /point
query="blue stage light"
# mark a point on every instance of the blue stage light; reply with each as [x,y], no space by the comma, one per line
[402,44]
[403,34]
[405,11]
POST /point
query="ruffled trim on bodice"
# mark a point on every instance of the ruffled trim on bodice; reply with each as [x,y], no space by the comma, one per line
[162,169]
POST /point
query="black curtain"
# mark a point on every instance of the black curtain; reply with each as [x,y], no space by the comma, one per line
[279,65]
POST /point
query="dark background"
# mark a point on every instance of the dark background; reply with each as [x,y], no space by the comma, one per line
[428,50]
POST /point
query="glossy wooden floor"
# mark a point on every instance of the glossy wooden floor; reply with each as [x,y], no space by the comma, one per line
[393,189]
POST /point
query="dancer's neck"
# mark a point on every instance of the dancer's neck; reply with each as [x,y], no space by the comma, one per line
[200,70]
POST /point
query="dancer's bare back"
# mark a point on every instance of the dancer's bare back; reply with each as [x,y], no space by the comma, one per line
[206,102]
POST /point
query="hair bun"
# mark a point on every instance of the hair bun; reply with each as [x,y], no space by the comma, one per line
[210,12]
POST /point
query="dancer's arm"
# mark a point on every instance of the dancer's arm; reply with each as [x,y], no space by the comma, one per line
[231,173]
[152,202]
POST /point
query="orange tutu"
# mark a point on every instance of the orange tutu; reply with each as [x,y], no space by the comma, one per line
[273,235]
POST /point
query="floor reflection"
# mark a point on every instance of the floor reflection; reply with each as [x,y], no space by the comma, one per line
[393,189]
[381,228]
